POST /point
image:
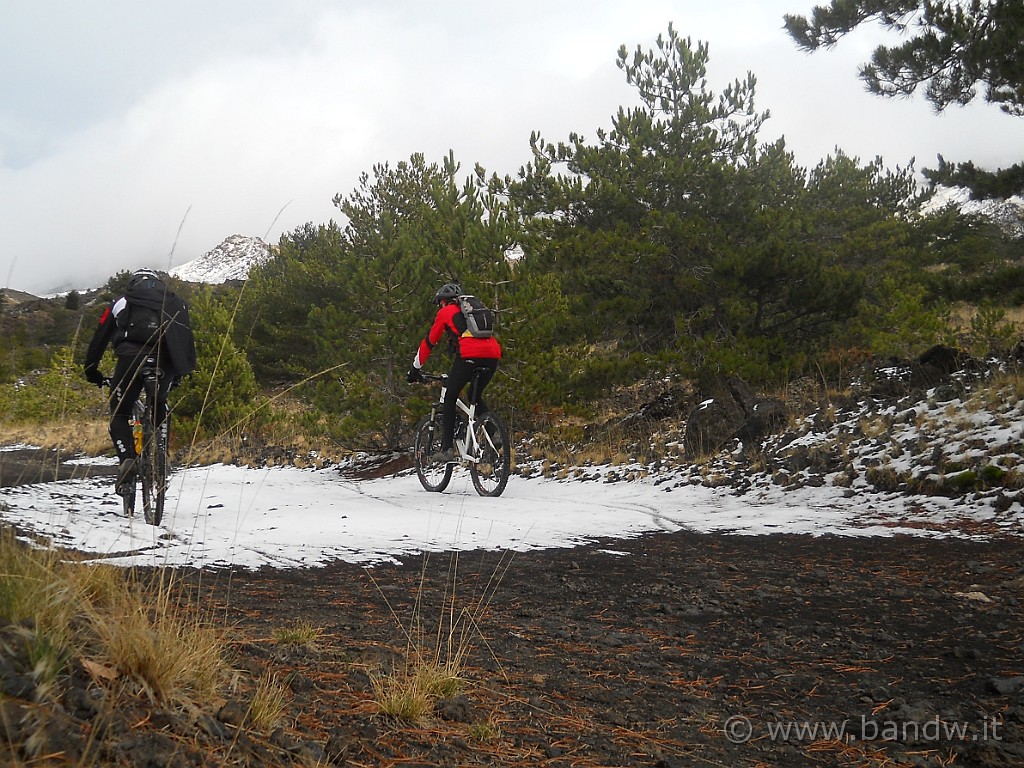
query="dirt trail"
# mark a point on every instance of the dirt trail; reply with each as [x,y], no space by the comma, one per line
[667,650]
[23,466]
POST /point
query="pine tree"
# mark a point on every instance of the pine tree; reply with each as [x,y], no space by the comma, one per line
[950,47]
[983,184]
[221,397]
[677,231]
[358,299]
[307,271]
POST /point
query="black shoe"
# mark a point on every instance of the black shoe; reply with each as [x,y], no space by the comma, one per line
[125,477]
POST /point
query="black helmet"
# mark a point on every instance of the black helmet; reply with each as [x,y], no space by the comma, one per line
[447,292]
[144,278]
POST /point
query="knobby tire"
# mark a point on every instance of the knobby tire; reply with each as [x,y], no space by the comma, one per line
[490,473]
[433,476]
[128,499]
[153,470]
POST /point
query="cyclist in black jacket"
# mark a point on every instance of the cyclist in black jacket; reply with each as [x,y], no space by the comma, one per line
[149,320]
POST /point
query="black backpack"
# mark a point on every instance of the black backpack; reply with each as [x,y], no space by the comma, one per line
[157,318]
[479,318]
[142,325]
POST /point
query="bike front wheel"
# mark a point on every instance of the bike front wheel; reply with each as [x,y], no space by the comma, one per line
[490,473]
[434,476]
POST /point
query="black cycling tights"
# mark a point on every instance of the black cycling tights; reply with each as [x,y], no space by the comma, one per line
[459,375]
[125,385]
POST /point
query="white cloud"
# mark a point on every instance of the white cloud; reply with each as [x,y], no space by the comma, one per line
[132,123]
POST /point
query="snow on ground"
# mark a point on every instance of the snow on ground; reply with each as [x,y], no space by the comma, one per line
[221,516]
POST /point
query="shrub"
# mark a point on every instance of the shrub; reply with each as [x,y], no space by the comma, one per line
[989,332]
[55,394]
[221,397]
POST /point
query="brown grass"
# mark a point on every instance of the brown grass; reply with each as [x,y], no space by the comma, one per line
[160,646]
[434,663]
[139,634]
[962,313]
[85,436]
[297,634]
[268,706]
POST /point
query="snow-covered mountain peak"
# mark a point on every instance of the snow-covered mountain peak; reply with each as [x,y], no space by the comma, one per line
[1008,214]
[231,260]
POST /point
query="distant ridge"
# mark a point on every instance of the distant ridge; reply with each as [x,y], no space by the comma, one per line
[233,259]
[1007,214]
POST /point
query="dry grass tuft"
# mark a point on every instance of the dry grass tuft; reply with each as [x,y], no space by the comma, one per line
[434,660]
[874,426]
[141,635]
[300,633]
[401,696]
[267,709]
[161,646]
[37,596]
[410,694]
[1003,391]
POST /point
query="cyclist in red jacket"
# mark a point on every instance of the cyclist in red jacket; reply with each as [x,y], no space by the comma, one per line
[469,354]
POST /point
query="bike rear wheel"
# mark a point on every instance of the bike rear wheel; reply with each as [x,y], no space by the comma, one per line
[434,476]
[490,473]
[153,472]
[128,498]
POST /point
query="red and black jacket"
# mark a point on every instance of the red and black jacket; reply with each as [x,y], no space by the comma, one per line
[449,319]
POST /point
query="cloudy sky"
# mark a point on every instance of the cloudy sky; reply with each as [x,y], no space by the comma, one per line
[136,133]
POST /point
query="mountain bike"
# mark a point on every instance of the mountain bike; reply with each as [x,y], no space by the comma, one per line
[151,448]
[481,443]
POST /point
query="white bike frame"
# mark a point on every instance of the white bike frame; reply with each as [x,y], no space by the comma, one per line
[469,448]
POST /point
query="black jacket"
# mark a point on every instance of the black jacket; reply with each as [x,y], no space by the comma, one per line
[175,344]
